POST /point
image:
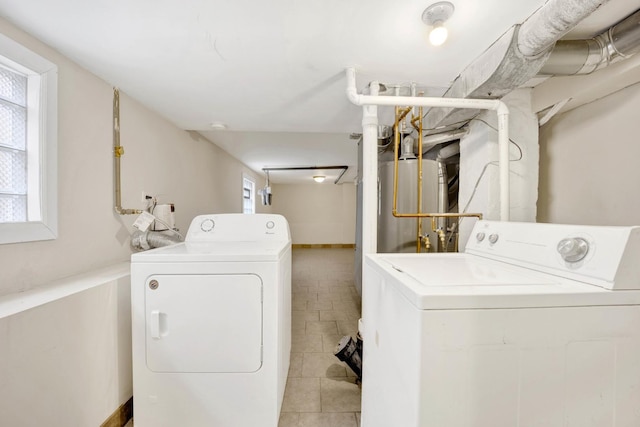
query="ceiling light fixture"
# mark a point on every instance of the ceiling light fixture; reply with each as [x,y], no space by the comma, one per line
[319,178]
[218,126]
[435,16]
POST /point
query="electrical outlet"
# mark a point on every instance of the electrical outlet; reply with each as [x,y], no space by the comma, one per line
[146,197]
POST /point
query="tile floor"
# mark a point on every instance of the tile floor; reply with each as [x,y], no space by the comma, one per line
[321,391]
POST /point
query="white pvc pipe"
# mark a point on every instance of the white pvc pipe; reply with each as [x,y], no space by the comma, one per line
[481,104]
[503,163]
[370,175]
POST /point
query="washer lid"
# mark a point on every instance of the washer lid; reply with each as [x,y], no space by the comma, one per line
[464,281]
[215,251]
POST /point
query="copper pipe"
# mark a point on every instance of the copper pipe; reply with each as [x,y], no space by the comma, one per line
[434,225]
[400,115]
[419,176]
[118,152]
[437,215]
[416,119]
[396,142]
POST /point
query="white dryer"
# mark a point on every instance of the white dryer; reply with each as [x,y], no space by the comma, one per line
[535,325]
[211,321]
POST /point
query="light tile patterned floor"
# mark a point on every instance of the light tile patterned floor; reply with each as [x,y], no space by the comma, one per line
[321,390]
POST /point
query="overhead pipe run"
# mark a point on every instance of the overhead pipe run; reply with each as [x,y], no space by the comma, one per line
[370,141]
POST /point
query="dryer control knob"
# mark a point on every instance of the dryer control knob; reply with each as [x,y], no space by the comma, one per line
[480,236]
[270,224]
[573,249]
[493,238]
[207,225]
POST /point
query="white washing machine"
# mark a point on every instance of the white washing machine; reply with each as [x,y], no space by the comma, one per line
[535,325]
[211,322]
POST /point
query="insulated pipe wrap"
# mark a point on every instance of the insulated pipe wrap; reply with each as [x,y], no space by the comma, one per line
[552,21]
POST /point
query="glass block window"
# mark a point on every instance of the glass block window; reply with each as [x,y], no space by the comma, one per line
[248,195]
[28,145]
[13,146]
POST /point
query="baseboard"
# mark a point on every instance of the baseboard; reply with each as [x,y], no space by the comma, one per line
[120,416]
[324,246]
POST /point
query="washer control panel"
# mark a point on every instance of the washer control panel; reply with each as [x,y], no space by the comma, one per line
[238,227]
[604,256]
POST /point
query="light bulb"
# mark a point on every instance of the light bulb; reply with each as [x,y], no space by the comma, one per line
[318,178]
[439,34]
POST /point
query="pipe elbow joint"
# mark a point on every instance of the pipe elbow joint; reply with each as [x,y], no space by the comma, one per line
[502,108]
[352,91]
[121,211]
[352,95]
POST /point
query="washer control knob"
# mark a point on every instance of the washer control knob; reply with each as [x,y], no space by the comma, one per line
[573,249]
[493,238]
[207,225]
[480,236]
[270,224]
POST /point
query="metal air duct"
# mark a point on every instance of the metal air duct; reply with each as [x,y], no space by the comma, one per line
[143,241]
[551,22]
[570,57]
[513,59]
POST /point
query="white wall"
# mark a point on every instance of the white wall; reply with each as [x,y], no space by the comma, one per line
[480,148]
[318,213]
[181,167]
[589,158]
[178,166]
[66,363]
